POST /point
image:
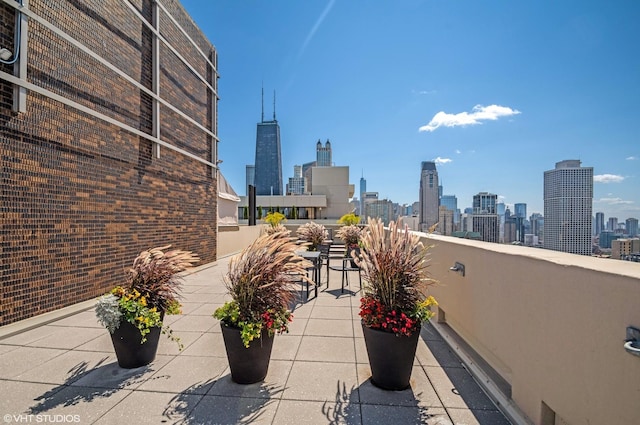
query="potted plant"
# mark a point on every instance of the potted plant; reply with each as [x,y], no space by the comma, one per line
[133,313]
[274,222]
[314,233]
[349,219]
[395,303]
[351,236]
[260,281]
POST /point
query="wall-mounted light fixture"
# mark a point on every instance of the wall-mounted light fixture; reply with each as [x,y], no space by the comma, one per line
[632,343]
[458,268]
[5,54]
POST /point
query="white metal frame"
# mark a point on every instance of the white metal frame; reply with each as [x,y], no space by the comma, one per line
[20,81]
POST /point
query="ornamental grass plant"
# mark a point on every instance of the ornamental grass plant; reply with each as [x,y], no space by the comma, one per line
[151,289]
[314,233]
[274,224]
[261,282]
[350,234]
[395,269]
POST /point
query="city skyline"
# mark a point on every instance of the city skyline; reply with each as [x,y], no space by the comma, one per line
[482,89]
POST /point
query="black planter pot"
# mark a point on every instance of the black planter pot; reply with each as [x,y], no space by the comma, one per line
[248,365]
[129,351]
[390,357]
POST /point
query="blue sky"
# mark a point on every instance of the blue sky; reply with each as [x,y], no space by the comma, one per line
[496,92]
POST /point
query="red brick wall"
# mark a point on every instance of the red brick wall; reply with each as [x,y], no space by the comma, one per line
[82,197]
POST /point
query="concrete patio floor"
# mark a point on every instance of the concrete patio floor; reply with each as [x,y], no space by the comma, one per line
[61,368]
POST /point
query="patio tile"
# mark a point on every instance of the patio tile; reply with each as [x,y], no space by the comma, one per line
[28,337]
[329,327]
[66,368]
[379,414]
[7,348]
[151,408]
[298,325]
[477,417]
[325,312]
[205,309]
[67,337]
[22,359]
[85,319]
[194,373]
[361,351]
[190,307]
[100,344]
[322,382]
[456,388]
[302,311]
[285,346]
[326,349]
[194,323]
[436,353]
[333,300]
[233,410]
[112,377]
[420,393]
[272,387]
[168,347]
[296,412]
[209,344]
[86,405]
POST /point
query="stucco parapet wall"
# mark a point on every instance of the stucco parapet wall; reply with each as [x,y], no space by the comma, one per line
[306,201]
[602,265]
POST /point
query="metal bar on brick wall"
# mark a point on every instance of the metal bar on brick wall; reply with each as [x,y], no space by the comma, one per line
[106,63]
[213,66]
[37,89]
[155,57]
[170,47]
[20,67]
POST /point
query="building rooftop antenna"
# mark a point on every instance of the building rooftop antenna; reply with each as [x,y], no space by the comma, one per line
[274,105]
[262,116]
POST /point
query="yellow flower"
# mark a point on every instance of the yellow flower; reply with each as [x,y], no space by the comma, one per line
[143,301]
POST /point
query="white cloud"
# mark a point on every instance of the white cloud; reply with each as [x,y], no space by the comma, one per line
[631,158]
[458,151]
[607,178]
[614,201]
[478,114]
[423,92]
[439,160]
[315,27]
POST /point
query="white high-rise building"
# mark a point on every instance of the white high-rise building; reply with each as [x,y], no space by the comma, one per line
[568,200]
[429,195]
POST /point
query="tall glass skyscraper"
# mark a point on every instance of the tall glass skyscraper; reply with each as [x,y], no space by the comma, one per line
[485,203]
[599,223]
[268,164]
[323,154]
[363,189]
[631,226]
[520,210]
[568,200]
[429,195]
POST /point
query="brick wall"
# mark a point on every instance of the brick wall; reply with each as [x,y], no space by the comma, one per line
[82,197]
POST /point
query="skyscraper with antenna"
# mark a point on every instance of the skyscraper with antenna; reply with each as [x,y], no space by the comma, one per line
[268,162]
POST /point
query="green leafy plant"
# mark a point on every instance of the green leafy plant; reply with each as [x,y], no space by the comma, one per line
[349,219]
[260,283]
[314,233]
[151,290]
[395,271]
[274,223]
[274,218]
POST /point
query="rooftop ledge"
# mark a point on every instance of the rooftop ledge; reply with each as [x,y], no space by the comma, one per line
[547,328]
